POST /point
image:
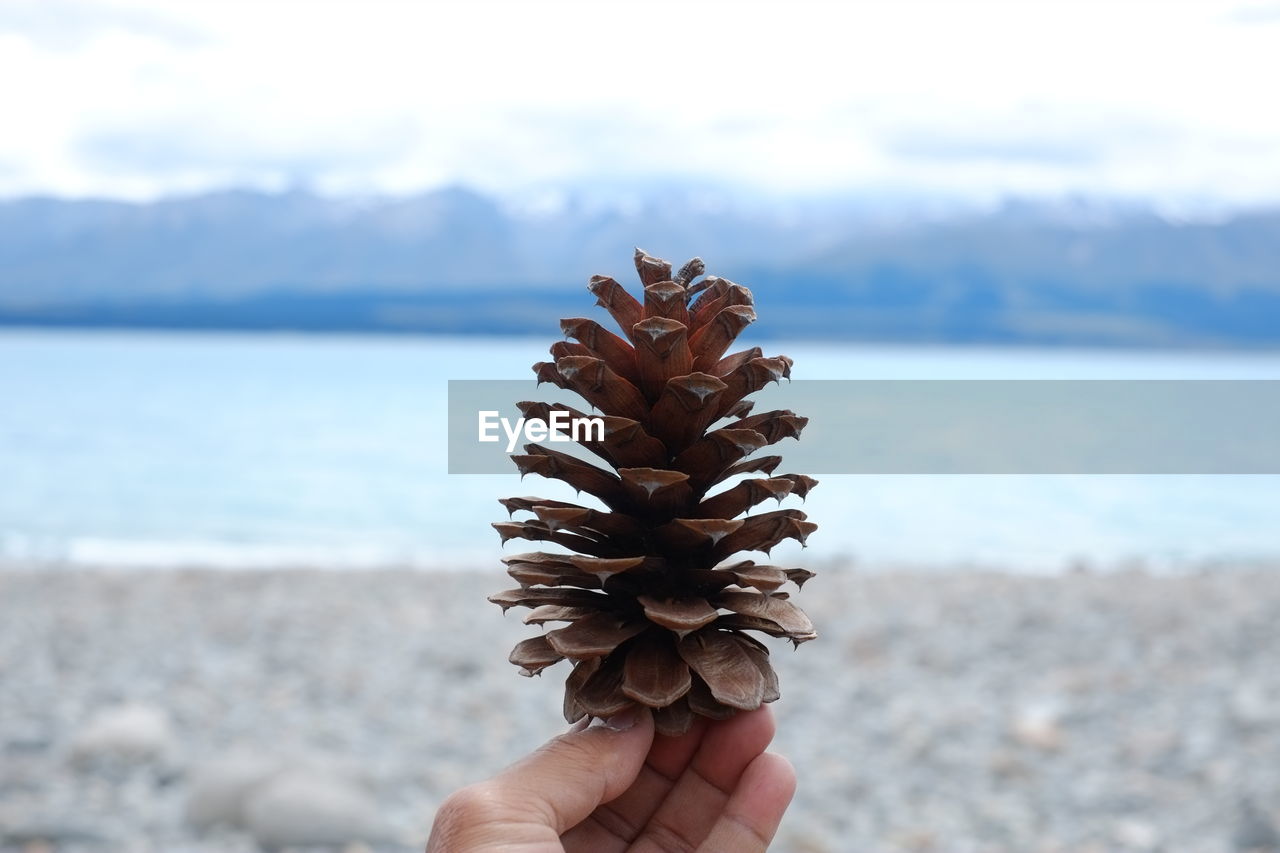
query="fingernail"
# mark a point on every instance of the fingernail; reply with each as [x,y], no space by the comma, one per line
[580,725]
[620,721]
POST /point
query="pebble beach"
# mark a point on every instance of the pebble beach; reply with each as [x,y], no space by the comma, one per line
[200,711]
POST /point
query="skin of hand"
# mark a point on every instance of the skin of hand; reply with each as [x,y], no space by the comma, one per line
[614,786]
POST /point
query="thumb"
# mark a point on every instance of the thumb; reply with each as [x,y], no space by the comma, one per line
[575,772]
[545,794]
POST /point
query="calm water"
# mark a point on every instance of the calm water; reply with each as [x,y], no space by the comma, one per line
[233,450]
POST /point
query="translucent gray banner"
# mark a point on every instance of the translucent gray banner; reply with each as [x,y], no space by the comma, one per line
[952,426]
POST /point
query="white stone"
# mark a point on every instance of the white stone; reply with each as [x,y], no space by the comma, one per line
[1037,725]
[126,733]
[220,788]
[305,807]
[1137,834]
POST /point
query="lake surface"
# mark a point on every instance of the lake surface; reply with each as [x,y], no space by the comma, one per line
[236,450]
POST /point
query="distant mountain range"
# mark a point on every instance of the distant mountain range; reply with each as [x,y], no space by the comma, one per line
[456,261]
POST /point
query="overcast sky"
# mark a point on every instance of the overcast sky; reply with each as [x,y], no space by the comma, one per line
[1171,101]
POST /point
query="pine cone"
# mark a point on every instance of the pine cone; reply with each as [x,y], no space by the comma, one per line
[655,615]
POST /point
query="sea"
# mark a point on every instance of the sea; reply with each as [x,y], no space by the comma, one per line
[227,450]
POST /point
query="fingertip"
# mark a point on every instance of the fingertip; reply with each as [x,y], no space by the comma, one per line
[670,754]
[764,719]
[621,743]
[626,735]
[775,775]
[759,725]
[730,745]
[623,720]
[635,739]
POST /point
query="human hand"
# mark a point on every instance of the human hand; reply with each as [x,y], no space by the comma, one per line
[616,787]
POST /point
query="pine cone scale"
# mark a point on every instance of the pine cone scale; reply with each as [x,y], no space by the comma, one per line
[654,674]
[601,695]
[593,636]
[719,659]
[678,615]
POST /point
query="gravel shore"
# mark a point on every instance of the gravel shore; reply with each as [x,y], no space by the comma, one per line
[208,711]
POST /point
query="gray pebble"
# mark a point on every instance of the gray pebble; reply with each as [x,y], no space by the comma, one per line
[300,807]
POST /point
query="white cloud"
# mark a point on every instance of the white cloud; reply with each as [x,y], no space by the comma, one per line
[1165,100]
[72,24]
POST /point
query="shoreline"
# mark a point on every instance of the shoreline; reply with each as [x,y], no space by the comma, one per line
[1146,565]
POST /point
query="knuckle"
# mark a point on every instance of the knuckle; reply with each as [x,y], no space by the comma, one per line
[616,823]
[466,807]
[751,833]
[666,838]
